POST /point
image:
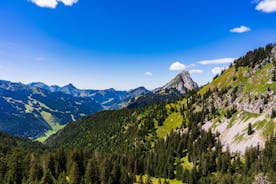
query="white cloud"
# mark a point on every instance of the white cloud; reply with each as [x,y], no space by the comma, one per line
[241,29]
[217,70]
[68,2]
[196,71]
[267,6]
[217,61]
[148,74]
[176,66]
[53,3]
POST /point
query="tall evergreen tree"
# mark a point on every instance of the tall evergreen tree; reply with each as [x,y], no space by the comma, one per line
[92,175]
[48,178]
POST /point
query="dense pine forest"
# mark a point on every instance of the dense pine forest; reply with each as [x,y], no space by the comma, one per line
[141,145]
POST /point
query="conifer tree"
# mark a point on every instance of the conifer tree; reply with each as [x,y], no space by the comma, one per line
[62,179]
[250,131]
[15,165]
[74,174]
[48,178]
[36,171]
[92,173]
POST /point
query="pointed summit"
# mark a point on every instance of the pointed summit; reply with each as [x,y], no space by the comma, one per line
[70,86]
[70,89]
[182,83]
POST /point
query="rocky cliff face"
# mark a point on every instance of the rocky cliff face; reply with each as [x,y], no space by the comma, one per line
[183,83]
[241,96]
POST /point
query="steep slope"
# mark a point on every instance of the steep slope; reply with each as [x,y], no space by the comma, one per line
[8,143]
[244,95]
[33,112]
[179,86]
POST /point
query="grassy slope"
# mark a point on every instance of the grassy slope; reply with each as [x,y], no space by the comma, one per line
[155,180]
[54,124]
[257,83]
[173,121]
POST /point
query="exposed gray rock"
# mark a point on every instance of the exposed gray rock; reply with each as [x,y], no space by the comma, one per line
[182,83]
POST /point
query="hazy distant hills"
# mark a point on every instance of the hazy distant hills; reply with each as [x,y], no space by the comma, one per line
[30,111]
[36,109]
[108,99]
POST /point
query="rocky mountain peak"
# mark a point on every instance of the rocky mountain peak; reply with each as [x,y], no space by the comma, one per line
[182,82]
[70,86]
[138,91]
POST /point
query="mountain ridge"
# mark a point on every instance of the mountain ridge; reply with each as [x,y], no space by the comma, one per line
[180,85]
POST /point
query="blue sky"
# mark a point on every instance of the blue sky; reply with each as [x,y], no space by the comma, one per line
[124,44]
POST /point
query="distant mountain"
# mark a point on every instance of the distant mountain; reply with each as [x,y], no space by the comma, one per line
[108,99]
[38,110]
[138,92]
[44,86]
[30,111]
[180,85]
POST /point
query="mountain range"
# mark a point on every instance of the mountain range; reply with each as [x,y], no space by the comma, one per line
[108,99]
[37,110]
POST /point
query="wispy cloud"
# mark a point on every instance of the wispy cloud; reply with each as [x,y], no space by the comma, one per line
[267,6]
[195,71]
[53,3]
[217,70]
[176,66]
[241,29]
[217,61]
[148,74]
